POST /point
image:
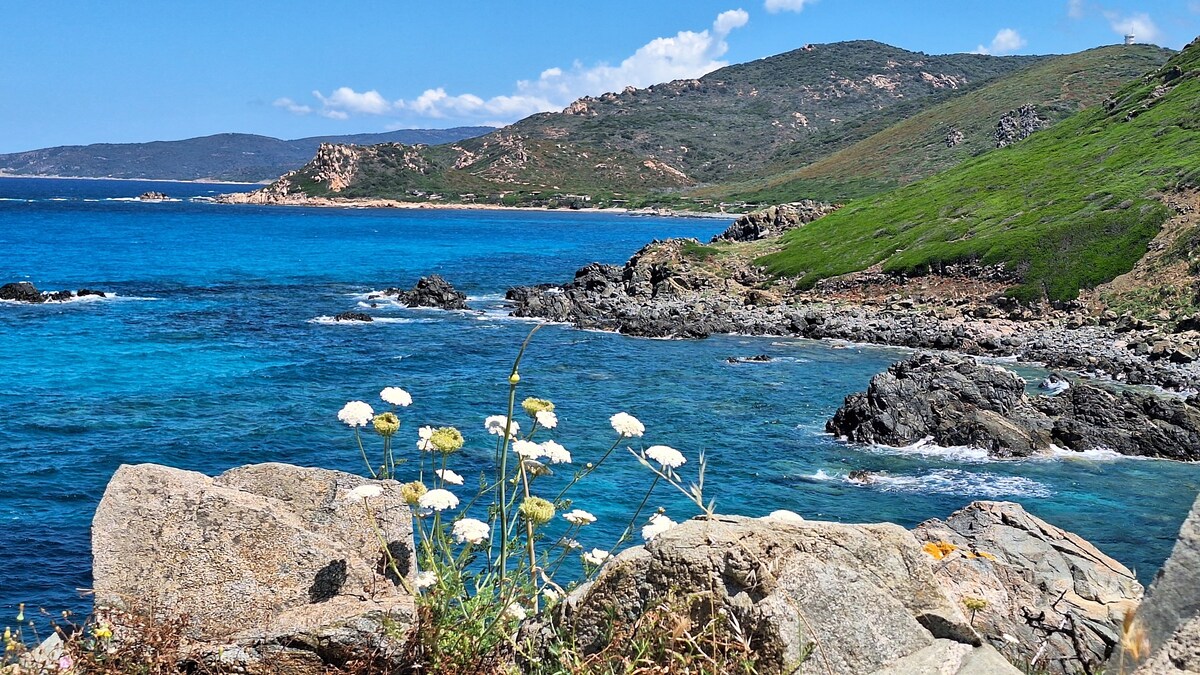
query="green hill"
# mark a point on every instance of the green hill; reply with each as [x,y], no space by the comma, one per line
[1070,207]
[732,123]
[237,157]
[951,132]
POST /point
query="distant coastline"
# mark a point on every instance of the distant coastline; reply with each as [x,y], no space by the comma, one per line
[136,180]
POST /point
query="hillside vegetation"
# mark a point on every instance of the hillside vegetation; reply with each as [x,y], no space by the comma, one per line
[734,122]
[953,131]
[233,157]
[1069,208]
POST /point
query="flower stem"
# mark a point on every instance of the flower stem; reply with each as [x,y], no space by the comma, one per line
[625,535]
[358,437]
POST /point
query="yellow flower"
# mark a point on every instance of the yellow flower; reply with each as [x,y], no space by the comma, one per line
[387,424]
[537,510]
[102,632]
[514,378]
[974,604]
[446,440]
[412,492]
[939,550]
[533,406]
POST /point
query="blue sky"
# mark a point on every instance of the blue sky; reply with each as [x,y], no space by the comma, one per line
[88,71]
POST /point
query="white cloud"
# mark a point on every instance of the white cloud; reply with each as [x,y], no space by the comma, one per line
[1006,41]
[1139,25]
[687,54]
[291,106]
[776,6]
[1075,9]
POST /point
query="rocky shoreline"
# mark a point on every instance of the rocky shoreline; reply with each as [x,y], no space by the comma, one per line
[685,289]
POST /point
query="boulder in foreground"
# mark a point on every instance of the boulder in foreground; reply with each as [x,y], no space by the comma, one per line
[1049,598]
[264,563]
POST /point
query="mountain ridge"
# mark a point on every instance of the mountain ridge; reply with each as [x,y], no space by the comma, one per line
[225,156]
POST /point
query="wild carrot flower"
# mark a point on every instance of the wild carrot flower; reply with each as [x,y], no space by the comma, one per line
[579,517]
[551,594]
[627,425]
[533,406]
[514,612]
[596,557]
[449,477]
[546,418]
[423,435]
[657,525]
[396,396]
[669,457]
[446,440]
[426,579]
[387,424]
[556,453]
[527,449]
[365,491]
[438,500]
[356,414]
[412,492]
[470,531]
[495,425]
[537,510]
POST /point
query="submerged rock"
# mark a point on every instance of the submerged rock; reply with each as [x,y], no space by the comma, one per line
[953,400]
[353,316]
[810,596]
[264,563]
[1046,593]
[757,358]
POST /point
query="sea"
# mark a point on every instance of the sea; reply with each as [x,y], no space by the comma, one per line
[216,349]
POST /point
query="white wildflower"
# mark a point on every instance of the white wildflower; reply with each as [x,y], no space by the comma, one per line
[356,414]
[364,491]
[449,477]
[658,524]
[579,517]
[527,449]
[571,544]
[669,457]
[426,579]
[396,396]
[627,425]
[551,593]
[546,418]
[596,557]
[470,531]
[423,436]
[495,425]
[515,612]
[438,500]
[556,453]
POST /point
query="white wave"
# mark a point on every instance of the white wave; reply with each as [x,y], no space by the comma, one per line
[76,299]
[58,199]
[1093,455]
[488,297]
[139,199]
[960,482]
[823,475]
[330,321]
[927,448]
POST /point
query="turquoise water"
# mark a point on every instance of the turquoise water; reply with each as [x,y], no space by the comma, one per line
[214,355]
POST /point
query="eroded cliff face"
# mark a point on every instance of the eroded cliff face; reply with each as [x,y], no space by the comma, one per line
[333,170]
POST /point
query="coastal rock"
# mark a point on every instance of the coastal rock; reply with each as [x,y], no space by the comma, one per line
[21,291]
[353,316]
[1168,622]
[953,400]
[775,220]
[1047,594]
[153,196]
[429,291]
[810,596]
[268,561]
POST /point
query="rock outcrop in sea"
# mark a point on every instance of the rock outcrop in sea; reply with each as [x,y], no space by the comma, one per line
[954,400]
[23,291]
[429,291]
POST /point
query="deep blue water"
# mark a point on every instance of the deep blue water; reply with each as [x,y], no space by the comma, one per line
[211,357]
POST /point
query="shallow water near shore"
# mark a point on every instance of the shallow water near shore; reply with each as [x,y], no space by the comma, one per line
[214,354]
